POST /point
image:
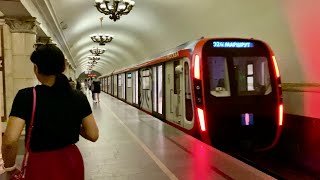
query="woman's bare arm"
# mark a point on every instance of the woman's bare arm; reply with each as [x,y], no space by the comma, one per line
[10,140]
[89,129]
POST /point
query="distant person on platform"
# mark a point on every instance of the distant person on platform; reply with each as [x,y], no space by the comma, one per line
[61,115]
[89,84]
[96,90]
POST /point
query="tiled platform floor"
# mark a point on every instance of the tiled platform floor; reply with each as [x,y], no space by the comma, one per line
[135,145]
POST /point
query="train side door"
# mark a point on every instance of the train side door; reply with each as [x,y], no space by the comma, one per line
[115,86]
[174,94]
[187,110]
[157,91]
[135,89]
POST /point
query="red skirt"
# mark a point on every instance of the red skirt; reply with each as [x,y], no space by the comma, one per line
[61,164]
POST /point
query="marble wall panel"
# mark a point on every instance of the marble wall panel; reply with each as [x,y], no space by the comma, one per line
[18,44]
[22,66]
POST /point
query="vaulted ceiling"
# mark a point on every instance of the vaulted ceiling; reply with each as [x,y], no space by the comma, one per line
[154,26]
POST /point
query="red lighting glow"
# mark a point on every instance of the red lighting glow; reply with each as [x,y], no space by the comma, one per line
[197,67]
[275,64]
[280,114]
[201,119]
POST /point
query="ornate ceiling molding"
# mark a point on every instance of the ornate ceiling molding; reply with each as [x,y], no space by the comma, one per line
[44,10]
[22,24]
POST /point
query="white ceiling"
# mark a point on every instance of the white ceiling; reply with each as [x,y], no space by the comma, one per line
[154,26]
[157,25]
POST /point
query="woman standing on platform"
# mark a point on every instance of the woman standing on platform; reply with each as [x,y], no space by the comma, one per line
[60,115]
[96,90]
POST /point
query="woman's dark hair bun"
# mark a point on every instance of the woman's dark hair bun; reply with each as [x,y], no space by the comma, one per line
[49,59]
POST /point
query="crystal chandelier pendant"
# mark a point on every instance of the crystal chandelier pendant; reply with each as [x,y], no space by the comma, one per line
[97,51]
[115,9]
[102,39]
[94,58]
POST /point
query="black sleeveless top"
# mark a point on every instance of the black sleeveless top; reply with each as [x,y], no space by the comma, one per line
[57,118]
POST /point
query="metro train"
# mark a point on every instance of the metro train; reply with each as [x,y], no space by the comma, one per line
[224,91]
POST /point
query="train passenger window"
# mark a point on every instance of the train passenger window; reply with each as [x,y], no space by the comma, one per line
[252,76]
[188,102]
[176,78]
[137,87]
[134,87]
[154,88]
[160,89]
[123,86]
[129,81]
[219,76]
[115,89]
[146,79]
[119,86]
[119,81]
[109,85]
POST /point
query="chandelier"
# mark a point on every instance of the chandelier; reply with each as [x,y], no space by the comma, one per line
[102,39]
[97,51]
[92,63]
[115,10]
[94,58]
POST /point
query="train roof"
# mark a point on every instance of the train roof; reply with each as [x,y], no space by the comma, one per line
[187,45]
[170,53]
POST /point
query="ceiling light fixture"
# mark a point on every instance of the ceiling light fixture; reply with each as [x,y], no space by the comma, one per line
[97,51]
[94,58]
[115,9]
[92,63]
[102,39]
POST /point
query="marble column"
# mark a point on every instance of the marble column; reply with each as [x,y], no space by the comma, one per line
[1,93]
[19,40]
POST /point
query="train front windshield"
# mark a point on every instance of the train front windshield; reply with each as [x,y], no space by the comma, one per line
[238,71]
[250,74]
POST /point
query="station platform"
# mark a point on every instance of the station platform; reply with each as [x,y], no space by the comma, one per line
[134,145]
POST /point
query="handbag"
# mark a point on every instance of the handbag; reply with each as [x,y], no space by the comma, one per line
[20,175]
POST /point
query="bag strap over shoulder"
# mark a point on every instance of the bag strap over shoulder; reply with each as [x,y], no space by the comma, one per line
[26,154]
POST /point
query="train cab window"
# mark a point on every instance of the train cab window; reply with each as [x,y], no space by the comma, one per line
[219,76]
[250,80]
[252,76]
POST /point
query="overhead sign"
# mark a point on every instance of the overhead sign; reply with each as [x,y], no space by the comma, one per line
[232,44]
[91,75]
